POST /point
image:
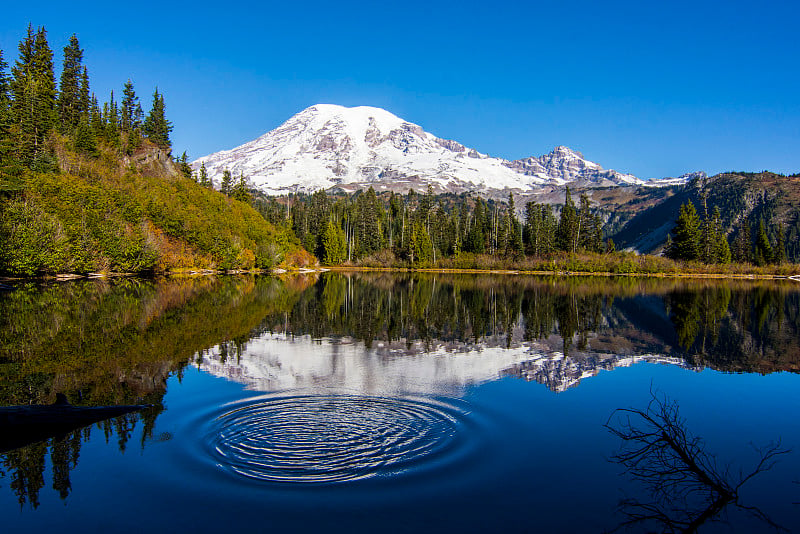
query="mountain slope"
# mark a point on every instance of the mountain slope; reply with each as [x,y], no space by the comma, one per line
[328,146]
[129,214]
[748,197]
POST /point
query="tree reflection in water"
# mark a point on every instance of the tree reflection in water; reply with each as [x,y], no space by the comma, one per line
[686,485]
[105,342]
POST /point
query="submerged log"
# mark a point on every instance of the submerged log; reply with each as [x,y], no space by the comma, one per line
[23,425]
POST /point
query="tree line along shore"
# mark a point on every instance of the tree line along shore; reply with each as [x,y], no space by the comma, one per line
[94,188]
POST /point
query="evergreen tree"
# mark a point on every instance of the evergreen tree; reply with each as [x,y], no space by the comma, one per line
[226,185]
[686,241]
[6,143]
[111,121]
[586,234]
[721,249]
[84,100]
[156,126]
[421,246]
[84,138]
[515,244]
[33,88]
[69,96]
[240,191]
[567,233]
[130,102]
[183,164]
[742,243]
[333,244]
[763,253]
[476,239]
[205,181]
[779,252]
[96,117]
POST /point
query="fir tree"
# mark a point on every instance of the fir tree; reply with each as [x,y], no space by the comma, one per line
[69,96]
[204,179]
[763,253]
[226,185]
[33,90]
[84,138]
[567,233]
[686,240]
[779,252]
[741,243]
[6,144]
[240,191]
[183,164]
[515,244]
[333,244]
[721,249]
[156,126]
[130,103]
[84,100]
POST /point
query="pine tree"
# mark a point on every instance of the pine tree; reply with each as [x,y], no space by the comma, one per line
[111,121]
[515,245]
[741,243]
[84,100]
[240,191]
[183,165]
[96,117]
[33,89]
[333,244]
[779,252]
[226,185]
[130,102]
[686,242]
[567,233]
[763,253]
[204,179]
[156,126]
[69,96]
[6,143]
[721,249]
[84,138]
[585,237]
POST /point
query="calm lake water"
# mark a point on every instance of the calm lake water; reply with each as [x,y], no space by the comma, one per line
[395,403]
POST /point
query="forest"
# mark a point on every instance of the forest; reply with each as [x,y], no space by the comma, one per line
[88,188]
[465,231]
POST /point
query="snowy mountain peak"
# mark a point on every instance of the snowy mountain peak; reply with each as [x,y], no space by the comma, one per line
[327,145]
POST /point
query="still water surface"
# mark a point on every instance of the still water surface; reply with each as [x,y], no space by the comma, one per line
[364,402]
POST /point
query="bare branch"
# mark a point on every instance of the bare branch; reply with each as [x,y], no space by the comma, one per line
[685,483]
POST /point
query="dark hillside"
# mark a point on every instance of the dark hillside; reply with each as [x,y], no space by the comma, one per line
[741,197]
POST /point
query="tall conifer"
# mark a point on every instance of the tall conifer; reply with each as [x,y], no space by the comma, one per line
[156,126]
[69,96]
[686,241]
[33,88]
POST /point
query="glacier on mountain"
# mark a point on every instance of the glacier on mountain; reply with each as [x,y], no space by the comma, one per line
[326,146]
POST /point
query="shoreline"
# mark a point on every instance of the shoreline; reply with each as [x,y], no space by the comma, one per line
[64,277]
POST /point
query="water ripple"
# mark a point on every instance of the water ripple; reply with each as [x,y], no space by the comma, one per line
[334,438]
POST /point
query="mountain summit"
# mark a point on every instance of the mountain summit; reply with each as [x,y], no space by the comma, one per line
[327,146]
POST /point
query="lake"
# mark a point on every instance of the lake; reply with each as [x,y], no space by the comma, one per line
[363,402]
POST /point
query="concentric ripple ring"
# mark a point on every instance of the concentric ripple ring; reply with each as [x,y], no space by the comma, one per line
[332,438]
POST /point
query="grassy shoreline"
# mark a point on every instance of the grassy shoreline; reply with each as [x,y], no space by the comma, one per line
[599,265]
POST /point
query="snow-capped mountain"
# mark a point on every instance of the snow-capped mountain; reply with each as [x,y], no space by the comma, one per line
[328,146]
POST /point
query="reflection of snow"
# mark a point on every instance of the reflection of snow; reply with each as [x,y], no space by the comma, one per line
[275,362]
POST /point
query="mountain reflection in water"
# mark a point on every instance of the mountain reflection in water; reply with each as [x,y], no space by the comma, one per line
[119,341]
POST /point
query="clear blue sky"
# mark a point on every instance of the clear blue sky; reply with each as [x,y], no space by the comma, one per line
[651,88]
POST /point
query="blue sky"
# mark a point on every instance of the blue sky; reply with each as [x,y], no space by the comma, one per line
[651,88]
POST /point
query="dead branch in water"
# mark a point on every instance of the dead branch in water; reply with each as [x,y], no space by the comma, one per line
[687,487]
